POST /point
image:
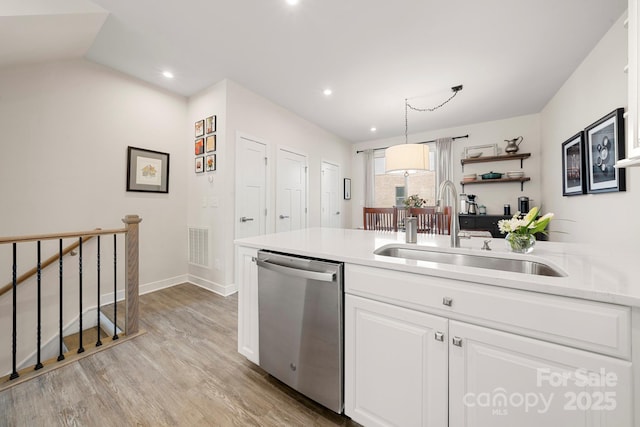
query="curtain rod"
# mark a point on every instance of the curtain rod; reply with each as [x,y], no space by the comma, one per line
[423,142]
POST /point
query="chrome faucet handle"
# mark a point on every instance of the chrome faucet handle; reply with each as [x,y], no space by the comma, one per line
[486,247]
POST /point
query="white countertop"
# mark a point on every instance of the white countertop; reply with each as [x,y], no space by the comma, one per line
[594,272]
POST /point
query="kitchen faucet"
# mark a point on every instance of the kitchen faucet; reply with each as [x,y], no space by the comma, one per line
[455,222]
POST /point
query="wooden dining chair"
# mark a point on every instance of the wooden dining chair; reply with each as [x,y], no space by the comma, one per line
[432,221]
[403,212]
[380,219]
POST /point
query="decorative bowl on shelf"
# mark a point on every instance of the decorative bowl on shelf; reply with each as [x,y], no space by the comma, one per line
[491,175]
[515,174]
[474,155]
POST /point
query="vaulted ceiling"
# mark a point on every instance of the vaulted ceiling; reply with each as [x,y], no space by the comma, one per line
[510,55]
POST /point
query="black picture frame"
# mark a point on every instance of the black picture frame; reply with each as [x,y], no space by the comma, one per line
[574,181]
[347,188]
[210,124]
[210,163]
[199,164]
[210,143]
[605,145]
[199,128]
[147,170]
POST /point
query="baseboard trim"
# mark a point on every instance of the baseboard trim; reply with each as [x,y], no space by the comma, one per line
[217,288]
[146,288]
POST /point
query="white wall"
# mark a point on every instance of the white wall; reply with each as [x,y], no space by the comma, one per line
[597,87]
[209,195]
[64,131]
[495,195]
[241,111]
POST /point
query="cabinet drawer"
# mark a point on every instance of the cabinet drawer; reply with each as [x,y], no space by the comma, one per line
[589,325]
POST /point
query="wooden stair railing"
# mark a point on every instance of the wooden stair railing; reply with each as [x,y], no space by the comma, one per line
[46,263]
[130,231]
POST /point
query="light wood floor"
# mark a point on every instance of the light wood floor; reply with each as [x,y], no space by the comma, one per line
[184,372]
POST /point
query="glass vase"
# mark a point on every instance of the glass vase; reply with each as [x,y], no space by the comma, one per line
[520,243]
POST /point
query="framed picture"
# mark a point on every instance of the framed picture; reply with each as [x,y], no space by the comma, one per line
[199,146]
[199,164]
[210,162]
[199,128]
[604,147]
[211,143]
[573,169]
[147,170]
[347,188]
[210,124]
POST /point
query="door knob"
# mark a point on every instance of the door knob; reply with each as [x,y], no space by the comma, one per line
[245,219]
[447,301]
[439,336]
[457,341]
[284,216]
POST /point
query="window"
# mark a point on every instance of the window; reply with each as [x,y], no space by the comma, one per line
[391,189]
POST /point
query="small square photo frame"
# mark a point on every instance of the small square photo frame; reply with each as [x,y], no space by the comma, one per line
[199,146]
[210,124]
[199,165]
[147,170]
[199,128]
[605,145]
[210,143]
[573,166]
[210,163]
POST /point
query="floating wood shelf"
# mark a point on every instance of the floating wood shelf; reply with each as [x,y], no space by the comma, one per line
[492,181]
[504,157]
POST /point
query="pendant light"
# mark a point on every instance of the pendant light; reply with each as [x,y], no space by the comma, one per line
[411,158]
[406,158]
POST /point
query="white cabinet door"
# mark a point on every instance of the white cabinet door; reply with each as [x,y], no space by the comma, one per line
[500,379]
[247,282]
[395,365]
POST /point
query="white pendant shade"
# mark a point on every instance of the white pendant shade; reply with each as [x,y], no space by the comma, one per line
[406,158]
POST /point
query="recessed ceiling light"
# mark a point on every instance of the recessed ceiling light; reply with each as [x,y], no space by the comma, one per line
[373,129]
[292,2]
[327,92]
[167,74]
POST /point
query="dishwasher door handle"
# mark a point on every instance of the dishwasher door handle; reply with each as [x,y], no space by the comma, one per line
[292,271]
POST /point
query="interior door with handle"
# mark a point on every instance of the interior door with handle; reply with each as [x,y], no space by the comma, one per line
[330,189]
[251,179]
[291,192]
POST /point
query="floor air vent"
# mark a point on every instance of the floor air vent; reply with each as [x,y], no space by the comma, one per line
[199,246]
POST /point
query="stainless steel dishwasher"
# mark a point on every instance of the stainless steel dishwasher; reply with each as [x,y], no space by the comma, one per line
[300,310]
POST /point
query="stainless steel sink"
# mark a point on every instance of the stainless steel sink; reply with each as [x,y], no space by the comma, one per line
[467,260]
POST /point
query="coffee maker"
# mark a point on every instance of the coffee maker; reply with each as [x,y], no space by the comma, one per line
[523,204]
[472,206]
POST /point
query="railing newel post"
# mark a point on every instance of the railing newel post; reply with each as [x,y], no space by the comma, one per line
[132,280]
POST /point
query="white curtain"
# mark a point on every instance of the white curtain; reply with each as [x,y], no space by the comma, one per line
[369,177]
[444,171]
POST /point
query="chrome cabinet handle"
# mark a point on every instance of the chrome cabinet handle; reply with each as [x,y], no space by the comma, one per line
[245,219]
[457,341]
[439,336]
[447,301]
[284,216]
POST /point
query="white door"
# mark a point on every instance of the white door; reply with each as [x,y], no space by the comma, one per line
[251,186]
[330,201]
[291,191]
[395,365]
[504,380]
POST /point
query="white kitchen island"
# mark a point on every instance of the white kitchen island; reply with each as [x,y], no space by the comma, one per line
[436,344]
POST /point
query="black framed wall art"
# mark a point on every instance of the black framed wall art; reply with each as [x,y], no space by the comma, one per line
[147,170]
[573,171]
[605,145]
